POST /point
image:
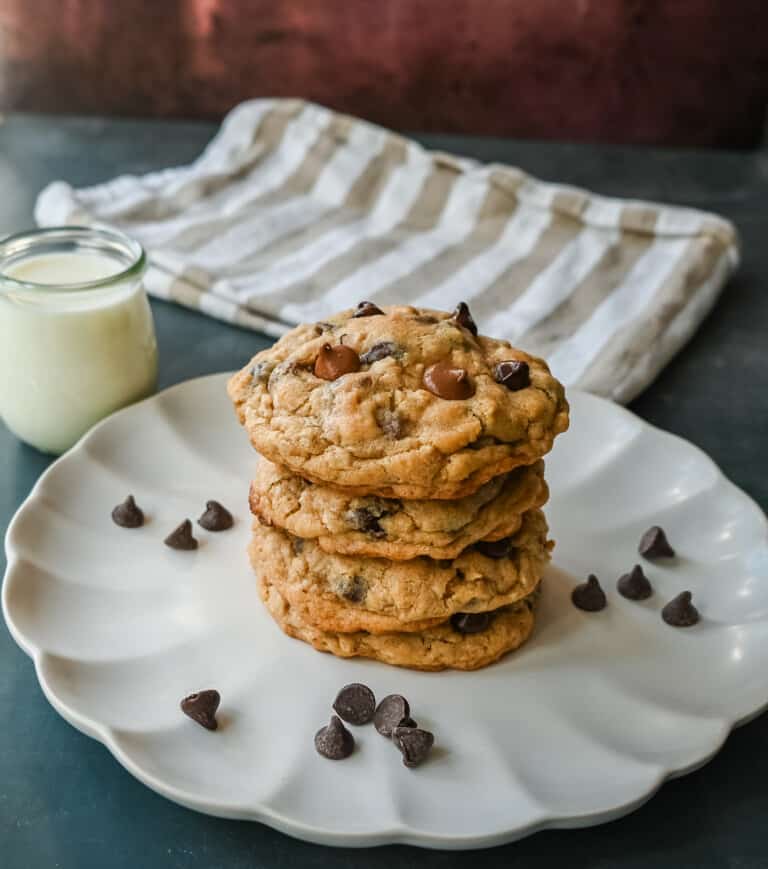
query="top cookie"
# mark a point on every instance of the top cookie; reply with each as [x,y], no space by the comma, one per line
[400,402]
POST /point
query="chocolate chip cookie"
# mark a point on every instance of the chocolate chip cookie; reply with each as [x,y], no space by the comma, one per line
[349,593]
[400,402]
[436,648]
[392,527]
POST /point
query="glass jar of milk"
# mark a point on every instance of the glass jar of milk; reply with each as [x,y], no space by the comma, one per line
[77,339]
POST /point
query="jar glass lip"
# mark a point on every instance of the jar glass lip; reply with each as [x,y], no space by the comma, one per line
[104,240]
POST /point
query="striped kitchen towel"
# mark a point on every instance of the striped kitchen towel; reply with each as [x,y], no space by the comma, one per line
[294,211]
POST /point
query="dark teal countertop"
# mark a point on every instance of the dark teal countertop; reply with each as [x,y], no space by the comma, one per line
[66,803]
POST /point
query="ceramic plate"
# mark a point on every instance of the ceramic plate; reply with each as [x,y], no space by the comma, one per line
[580,726]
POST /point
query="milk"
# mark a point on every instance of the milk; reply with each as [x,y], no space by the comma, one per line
[70,355]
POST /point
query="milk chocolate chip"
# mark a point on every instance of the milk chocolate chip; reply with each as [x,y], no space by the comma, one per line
[127,514]
[462,317]
[445,381]
[514,374]
[333,362]
[367,309]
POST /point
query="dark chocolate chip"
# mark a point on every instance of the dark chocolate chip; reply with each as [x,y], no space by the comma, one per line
[355,703]
[390,422]
[391,713]
[380,351]
[216,517]
[408,722]
[363,519]
[334,361]
[334,741]
[445,381]
[181,537]
[589,596]
[297,544]
[495,548]
[634,585]
[201,707]
[354,588]
[367,309]
[680,611]
[470,623]
[654,544]
[514,374]
[426,319]
[127,514]
[414,744]
[462,317]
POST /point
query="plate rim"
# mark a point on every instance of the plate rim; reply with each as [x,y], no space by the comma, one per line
[402,833]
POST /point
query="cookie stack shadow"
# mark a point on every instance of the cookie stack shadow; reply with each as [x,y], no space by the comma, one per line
[392,519]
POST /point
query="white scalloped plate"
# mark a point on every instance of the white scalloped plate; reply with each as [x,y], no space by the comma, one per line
[580,726]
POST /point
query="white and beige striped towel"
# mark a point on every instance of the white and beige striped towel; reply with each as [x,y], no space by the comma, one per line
[294,211]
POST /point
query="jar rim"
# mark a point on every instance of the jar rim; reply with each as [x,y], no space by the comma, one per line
[100,239]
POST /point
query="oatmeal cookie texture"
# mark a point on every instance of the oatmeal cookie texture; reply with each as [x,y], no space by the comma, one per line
[391,527]
[351,593]
[416,406]
[397,499]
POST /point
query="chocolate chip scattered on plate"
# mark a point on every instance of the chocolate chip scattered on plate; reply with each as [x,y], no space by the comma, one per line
[127,514]
[391,713]
[201,707]
[589,596]
[181,537]
[654,544]
[634,585]
[414,744]
[355,703]
[334,741]
[680,611]
[216,517]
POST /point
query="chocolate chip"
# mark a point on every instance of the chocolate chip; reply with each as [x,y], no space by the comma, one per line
[367,309]
[426,319]
[654,544]
[463,318]
[334,741]
[380,351]
[408,722]
[414,744]
[680,611]
[297,544]
[352,588]
[495,548]
[216,517]
[127,514]
[445,381]
[514,374]
[201,707]
[470,623]
[333,362]
[589,596]
[355,703]
[391,713]
[390,422]
[323,327]
[181,537]
[634,585]
[366,520]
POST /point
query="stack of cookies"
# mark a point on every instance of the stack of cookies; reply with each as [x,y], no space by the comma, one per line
[398,499]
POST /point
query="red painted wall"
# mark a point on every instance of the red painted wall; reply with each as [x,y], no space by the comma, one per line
[672,71]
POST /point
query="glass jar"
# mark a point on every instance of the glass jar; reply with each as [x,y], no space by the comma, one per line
[77,340]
